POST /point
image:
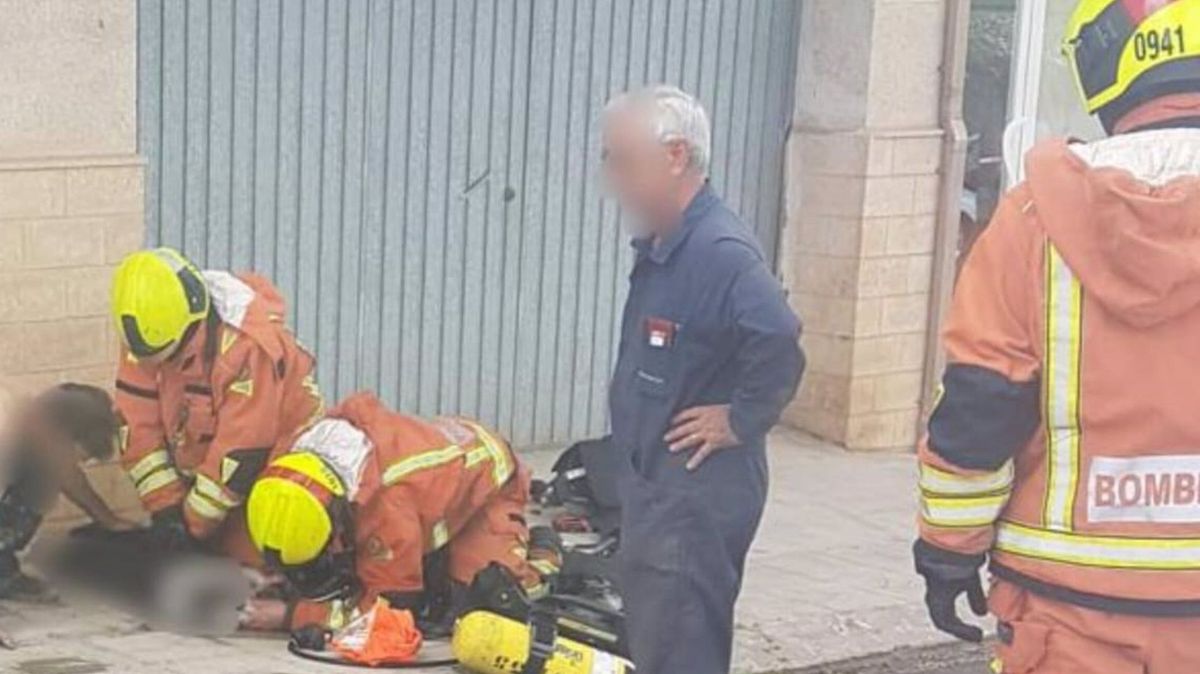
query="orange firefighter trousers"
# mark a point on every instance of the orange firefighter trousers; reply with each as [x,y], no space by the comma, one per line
[1042,636]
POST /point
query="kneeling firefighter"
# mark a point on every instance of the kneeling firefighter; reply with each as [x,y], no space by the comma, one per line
[210,381]
[370,503]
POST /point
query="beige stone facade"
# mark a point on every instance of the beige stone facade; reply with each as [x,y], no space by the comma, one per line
[864,185]
[857,249]
[71,193]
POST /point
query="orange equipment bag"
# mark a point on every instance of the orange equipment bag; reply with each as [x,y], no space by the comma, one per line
[381,636]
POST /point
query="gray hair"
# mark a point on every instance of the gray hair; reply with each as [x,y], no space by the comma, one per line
[674,115]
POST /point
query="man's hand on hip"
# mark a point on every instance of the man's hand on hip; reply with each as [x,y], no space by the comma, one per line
[705,428]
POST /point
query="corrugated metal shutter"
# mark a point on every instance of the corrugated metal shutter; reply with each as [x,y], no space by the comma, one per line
[419,177]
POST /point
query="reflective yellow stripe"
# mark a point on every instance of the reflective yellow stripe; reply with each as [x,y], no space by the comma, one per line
[441,535]
[228,337]
[243,386]
[340,614]
[478,455]
[156,481]
[148,464]
[314,391]
[502,468]
[431,459]
[939,482]
[214,491]
[1168,554]
[962,512]
[1064,326]
[538,591]
[544,567]
[204,507]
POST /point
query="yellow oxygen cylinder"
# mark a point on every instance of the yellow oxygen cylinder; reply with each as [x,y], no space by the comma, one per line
[489,643]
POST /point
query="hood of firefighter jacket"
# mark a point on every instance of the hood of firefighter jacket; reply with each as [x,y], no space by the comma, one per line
[1124,213]
[252,304]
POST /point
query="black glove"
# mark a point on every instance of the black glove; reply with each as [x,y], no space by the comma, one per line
[170,530]
[947,575]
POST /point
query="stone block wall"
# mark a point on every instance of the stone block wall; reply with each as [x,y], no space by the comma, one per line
[71,197]
[64,224]
[863,190]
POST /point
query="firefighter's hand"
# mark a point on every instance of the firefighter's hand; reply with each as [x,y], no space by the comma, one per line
[705,429]
[263,615]
[948,575]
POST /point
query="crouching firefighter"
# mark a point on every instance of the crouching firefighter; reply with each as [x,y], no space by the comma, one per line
[370,503]
[210,380]
[1065,448]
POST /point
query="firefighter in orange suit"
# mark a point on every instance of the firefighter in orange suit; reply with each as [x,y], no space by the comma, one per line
[371,503]
[1065,446]
[210,380]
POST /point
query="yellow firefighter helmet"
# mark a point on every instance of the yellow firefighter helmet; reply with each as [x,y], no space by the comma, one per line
[1127,52]
[289,511]
[158,299]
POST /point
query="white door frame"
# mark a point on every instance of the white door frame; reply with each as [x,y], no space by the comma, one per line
[1029,43]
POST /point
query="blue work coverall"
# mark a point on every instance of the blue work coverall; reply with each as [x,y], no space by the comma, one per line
[706,323]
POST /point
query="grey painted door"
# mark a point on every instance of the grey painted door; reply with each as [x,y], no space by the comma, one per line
[419,176]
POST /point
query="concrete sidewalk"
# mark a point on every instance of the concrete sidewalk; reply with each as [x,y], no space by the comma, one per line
[830,578]
[831,575]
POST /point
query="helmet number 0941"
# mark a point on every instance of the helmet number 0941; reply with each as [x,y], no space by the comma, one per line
[1152,45]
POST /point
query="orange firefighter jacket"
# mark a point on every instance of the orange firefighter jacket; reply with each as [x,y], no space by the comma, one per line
[415,486]
[199,428]
[1066,441]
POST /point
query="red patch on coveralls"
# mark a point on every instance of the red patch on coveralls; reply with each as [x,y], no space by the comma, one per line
[660,332]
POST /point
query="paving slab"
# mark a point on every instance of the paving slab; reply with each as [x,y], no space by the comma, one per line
[829,579]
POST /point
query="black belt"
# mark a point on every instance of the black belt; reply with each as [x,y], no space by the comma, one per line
[1154,608]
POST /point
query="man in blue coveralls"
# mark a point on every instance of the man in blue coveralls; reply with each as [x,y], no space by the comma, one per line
[708,358]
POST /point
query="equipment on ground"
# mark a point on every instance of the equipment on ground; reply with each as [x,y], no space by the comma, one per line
[504,632]
[584,481]
[583,485]
[490,643]
[1127,52]
[382,638]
